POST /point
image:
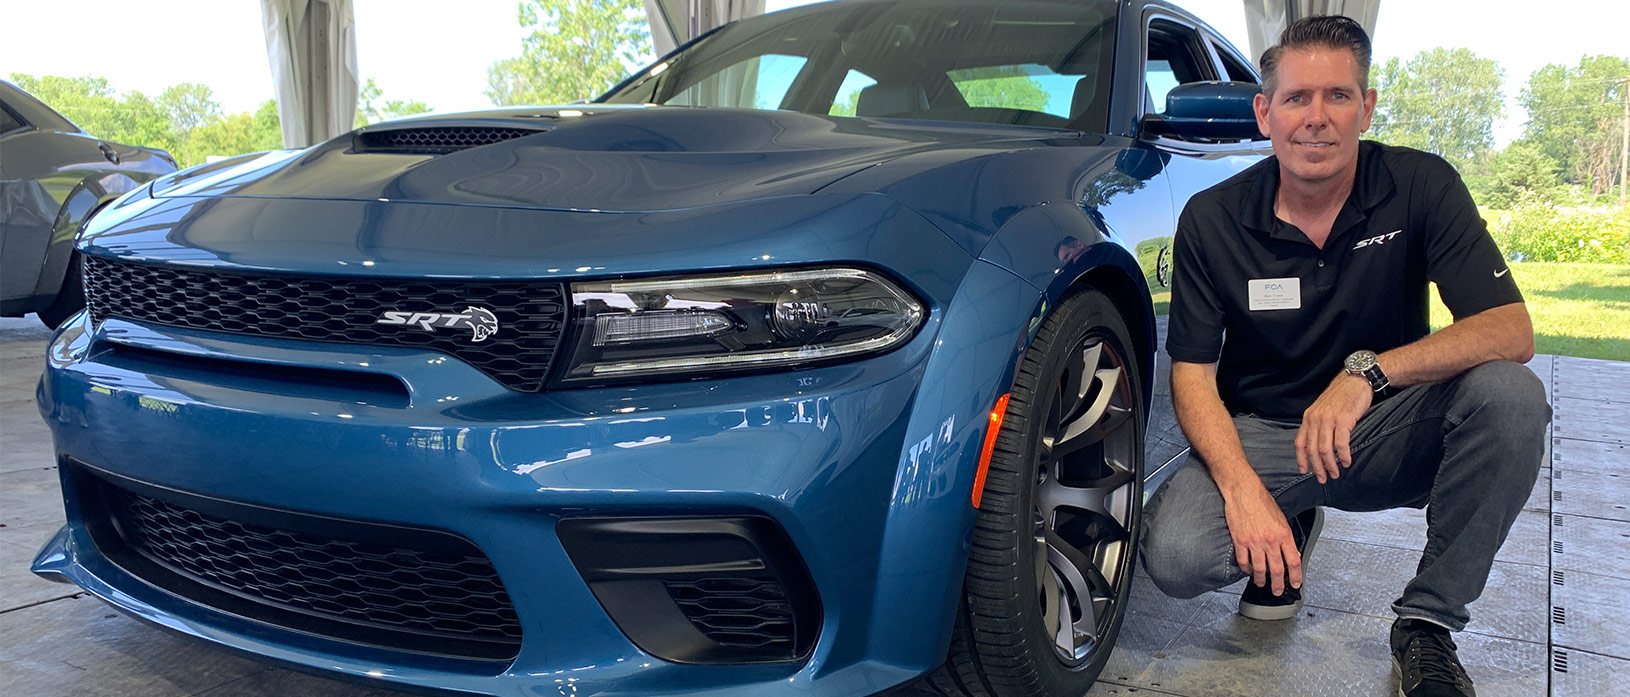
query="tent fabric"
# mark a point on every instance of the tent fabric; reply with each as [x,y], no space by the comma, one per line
[311,46]
[1266,19]
[674,22]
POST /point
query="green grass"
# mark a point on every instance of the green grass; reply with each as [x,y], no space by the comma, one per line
[1578,309]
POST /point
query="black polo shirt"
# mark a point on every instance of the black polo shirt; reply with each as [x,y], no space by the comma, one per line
[1292,312]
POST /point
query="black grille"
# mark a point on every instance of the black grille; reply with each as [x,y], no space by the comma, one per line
[436,139]
[743,613]
[408,598]
[531,315]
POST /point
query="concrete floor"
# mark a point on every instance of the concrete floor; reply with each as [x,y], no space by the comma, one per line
[1550,623]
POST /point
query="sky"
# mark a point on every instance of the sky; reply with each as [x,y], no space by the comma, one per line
[416,49]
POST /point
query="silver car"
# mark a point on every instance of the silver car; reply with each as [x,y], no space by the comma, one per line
[53,178]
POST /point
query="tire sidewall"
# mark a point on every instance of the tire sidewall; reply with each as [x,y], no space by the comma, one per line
[1084,313]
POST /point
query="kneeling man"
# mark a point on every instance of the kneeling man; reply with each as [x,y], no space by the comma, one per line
[1304,374]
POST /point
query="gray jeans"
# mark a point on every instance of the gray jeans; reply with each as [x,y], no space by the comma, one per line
[1467,449]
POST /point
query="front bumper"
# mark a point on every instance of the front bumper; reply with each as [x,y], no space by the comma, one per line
[817,452]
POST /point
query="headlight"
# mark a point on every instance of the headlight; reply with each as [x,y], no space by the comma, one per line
[740,321]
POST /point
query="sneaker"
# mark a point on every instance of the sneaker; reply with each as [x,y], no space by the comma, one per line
[1424,657]
[1259,602]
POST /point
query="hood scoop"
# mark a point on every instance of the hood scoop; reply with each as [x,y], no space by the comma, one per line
[436,140]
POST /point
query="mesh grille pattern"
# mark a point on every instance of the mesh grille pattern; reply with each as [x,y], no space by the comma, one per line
[437,139]
[737,612]
[439,594]
[531,315]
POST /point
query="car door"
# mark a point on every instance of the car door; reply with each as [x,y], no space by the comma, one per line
[1178,51]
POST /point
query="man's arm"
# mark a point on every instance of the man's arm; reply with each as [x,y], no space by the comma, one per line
[1263,545]
[1503,333]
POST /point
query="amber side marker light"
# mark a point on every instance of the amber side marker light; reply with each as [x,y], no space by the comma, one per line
[997,413]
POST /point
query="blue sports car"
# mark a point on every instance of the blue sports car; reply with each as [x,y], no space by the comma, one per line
[813,359]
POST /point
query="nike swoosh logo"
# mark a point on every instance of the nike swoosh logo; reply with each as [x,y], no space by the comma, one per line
[1501,272]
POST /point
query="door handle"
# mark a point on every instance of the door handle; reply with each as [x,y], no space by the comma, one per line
[109,152]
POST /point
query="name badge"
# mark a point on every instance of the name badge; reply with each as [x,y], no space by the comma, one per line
[1275,293]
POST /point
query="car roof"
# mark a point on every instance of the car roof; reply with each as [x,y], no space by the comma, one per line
[33,111]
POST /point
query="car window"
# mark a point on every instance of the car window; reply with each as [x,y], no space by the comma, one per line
[848,96]
[1233,66]
[1022,62]
[760,82]
[1175,58]
[9,122]
[1027,87]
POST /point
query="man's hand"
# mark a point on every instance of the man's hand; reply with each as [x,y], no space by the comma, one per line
[1324,440]
[1263,545]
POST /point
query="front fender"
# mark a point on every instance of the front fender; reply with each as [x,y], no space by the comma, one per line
[1056,247]
[930,520]
[83,201]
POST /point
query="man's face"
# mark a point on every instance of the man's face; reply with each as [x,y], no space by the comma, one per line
[1316,113]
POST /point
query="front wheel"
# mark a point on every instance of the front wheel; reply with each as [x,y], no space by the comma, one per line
[1055,541]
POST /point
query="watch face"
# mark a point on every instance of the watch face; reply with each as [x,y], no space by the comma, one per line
[1360,361]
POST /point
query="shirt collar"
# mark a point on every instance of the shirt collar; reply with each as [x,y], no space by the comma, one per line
[1372,184]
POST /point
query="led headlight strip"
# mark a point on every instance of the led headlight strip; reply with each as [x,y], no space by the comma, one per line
[750,320]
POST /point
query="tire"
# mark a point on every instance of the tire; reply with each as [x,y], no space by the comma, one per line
[1059,517]
[70,297]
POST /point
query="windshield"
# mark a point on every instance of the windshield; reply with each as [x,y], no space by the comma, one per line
[1027,63]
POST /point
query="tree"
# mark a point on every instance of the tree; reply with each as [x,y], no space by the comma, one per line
[1001,87]
[189,105]
[93,105]
[1522,174]
[1575,116]
[372,107]
[577,50]
[232,135]
[1443,101]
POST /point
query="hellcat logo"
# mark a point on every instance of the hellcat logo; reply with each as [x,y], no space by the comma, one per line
[481,322]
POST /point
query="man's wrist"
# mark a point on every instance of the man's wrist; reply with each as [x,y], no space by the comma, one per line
[1366,366]
[1240,488]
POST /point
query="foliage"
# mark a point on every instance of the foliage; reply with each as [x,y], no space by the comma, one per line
[577,50]
[233,135]
[184,119]
[372,107]
[1521,174]
[1005,87]
[1575,115]
[1538,232]
[1443,101]
[93,105]
[189,105]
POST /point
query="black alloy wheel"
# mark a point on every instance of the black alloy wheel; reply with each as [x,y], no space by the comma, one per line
[1055,542]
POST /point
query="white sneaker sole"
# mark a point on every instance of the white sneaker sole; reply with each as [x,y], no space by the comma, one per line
[1277,613]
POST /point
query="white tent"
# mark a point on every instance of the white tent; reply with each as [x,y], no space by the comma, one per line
[674,22]
[312,48]
[1265,19]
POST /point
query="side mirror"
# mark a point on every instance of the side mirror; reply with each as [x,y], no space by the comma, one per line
[1208,110]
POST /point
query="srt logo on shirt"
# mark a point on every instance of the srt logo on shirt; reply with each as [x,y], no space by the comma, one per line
[1378,239]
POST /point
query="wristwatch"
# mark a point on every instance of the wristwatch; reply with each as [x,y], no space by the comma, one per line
[1362,364]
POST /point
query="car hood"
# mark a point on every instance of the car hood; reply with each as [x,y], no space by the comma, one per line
[596,158]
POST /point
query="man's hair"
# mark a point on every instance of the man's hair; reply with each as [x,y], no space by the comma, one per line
[1318,31]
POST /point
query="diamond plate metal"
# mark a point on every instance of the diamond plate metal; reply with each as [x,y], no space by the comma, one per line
[1109,689]
[1587,612]
[1571,454]
[1582,674]
[1540,498]
[1528,540]
[1366,579]
[1403,528]
[1322,653]
[1591,545]
[1594,494]
[1588,378]
[1588,419]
